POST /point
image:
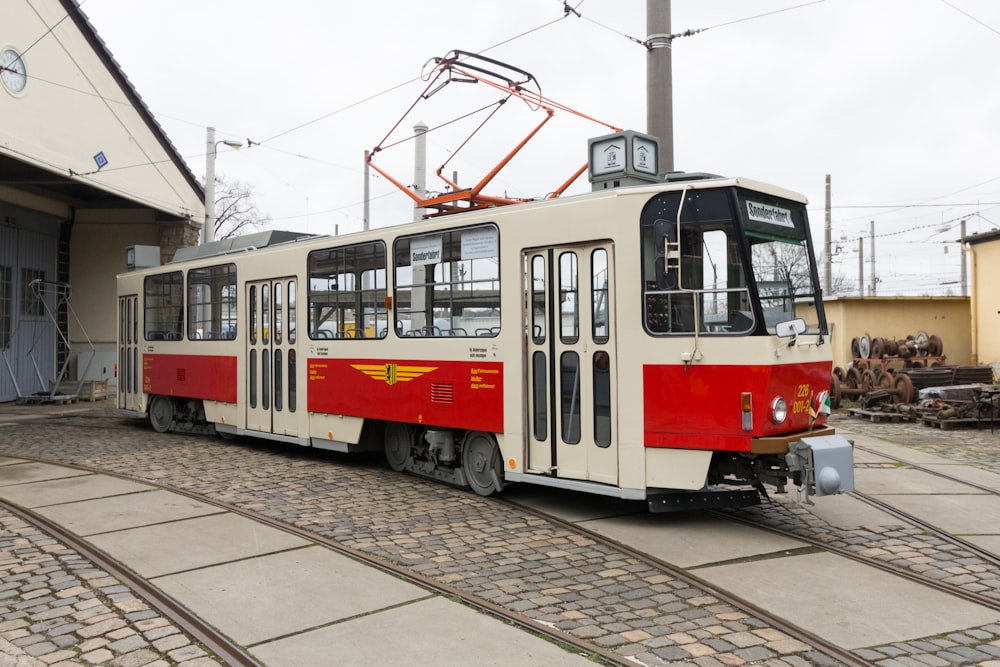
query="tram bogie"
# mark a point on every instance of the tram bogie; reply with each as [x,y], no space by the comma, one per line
[641,342]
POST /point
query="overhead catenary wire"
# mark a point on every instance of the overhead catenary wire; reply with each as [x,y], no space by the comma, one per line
[690,32]
[970,16]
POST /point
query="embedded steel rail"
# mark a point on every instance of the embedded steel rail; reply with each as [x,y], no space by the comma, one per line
[952,589]
[838,653]
[223,648]
[976,550]
[220,645]
[989,601]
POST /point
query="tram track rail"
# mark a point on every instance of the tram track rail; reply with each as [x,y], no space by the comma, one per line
[974,549]
[216,642]
[842,655]
[231,652]
[522,620]
[223,647]
[991,600]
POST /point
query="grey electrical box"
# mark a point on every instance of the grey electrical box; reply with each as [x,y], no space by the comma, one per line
[623,158]
[142,257]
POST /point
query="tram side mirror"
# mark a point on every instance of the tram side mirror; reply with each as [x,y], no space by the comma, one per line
[791,328]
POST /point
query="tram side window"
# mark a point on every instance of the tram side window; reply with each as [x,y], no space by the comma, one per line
[163,306]
[448,283]
[347,290]
[211,304]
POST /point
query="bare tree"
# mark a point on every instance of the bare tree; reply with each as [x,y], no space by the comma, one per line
[236,209]
[785,264]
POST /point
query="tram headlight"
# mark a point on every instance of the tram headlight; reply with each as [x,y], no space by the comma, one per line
[779,410]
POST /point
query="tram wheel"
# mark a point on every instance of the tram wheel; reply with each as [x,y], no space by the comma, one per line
[161,413]
[868,380]
[904,389]
[482,463]
[397,445]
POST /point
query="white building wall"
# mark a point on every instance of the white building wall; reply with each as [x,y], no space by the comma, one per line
[72,108]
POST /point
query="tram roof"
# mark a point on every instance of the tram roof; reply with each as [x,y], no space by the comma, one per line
[673,181]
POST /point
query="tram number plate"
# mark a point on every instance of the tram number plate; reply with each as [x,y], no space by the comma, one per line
[801,403]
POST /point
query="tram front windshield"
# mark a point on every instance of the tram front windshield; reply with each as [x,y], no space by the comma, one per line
[738,263]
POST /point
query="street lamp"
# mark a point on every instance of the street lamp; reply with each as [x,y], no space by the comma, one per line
[208,232]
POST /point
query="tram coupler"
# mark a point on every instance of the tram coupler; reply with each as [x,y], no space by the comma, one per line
[822,465]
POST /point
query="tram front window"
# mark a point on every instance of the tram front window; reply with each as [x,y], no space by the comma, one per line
[697,273]
[784,282]
[782,262]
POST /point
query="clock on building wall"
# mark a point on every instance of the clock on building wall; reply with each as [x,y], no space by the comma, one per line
[12,70]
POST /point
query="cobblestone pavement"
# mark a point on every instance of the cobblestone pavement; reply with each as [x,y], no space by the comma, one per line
[910,547]
[511,558]
[57,608]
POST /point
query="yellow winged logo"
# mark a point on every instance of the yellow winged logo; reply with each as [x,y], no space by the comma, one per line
[393,373]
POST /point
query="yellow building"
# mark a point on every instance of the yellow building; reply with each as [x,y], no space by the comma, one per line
[85,171]
[896,317]
[984,253]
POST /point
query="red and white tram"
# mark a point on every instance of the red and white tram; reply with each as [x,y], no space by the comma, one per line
[664,342]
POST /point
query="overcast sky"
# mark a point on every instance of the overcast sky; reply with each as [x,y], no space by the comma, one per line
[896,99]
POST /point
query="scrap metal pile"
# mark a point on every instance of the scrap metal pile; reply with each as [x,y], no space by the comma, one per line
[909,378]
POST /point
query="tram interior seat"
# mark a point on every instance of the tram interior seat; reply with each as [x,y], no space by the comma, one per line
[156,335]
[457,331]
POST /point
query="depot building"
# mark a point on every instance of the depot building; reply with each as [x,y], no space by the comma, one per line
[85,172]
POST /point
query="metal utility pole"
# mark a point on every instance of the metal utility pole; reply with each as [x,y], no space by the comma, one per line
[420,166]
[874,287]
[208,231]
[861,266]
[211,146]
[659,81]
[828,243]
[367,209]
[961,250]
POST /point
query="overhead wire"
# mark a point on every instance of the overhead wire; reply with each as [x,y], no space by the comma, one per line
[54,26]
[402,84]
[970,16]
[690,32]
[251,143]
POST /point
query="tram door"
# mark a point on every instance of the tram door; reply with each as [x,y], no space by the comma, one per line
[271,403]
[129,371]
[572,415]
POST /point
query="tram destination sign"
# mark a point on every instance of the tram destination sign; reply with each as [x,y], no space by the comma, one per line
[772,215]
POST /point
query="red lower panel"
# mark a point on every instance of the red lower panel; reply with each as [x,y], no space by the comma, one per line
[455,394]
[699,407]
[210,378]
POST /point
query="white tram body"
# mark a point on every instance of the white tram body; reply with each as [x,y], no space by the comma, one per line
[664,342]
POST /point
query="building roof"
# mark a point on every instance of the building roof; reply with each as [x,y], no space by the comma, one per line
[51,181]
[101,49]
[984,237]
